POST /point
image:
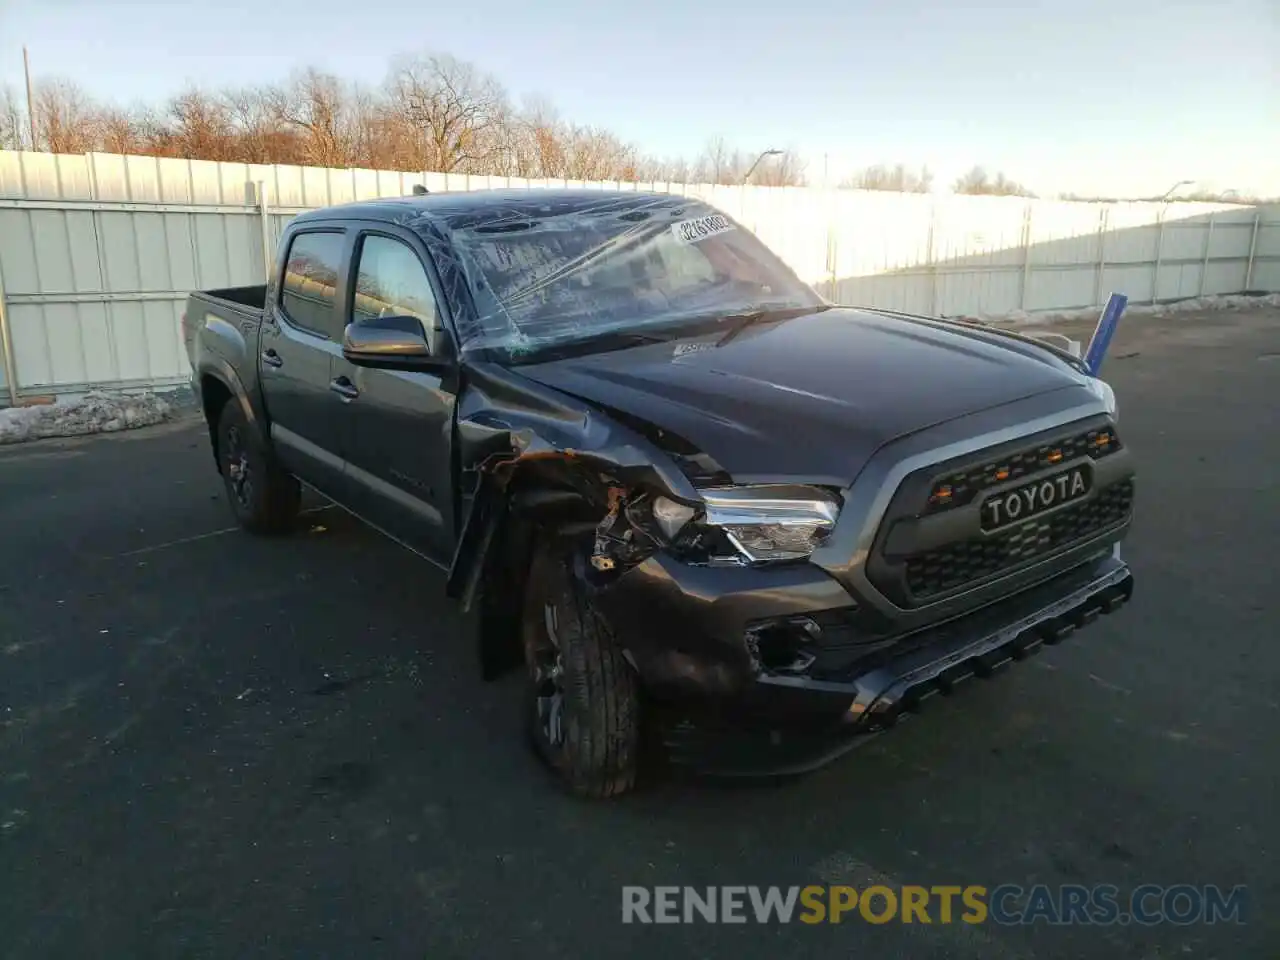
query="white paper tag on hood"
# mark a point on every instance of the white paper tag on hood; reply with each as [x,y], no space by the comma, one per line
[699,228]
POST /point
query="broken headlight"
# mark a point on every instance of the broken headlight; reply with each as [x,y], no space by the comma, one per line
[760,524]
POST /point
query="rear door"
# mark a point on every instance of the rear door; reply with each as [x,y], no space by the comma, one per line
[398,426]
[301,336]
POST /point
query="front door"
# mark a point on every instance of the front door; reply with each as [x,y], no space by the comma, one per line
[398,426]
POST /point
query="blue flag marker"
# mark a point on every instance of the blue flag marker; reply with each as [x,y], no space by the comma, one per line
[1103,333]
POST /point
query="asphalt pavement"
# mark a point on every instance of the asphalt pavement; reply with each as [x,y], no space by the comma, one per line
[214,745]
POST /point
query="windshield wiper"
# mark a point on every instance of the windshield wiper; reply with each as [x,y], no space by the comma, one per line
[597,342]
[741,321]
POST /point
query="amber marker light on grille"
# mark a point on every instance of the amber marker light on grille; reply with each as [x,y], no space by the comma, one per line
[1002,473]
[942,494]
[1055,456]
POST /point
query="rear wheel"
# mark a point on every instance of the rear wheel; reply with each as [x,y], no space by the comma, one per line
[263,497]
[583,703]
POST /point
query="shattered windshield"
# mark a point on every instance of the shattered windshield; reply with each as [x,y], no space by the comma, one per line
[542,278]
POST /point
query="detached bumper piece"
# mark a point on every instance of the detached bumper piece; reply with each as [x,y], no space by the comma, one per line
[790,724]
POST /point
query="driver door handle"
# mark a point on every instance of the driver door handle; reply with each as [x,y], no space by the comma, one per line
[272,359]
[344,388]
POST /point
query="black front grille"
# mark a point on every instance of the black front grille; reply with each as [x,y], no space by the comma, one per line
[969,562]
[960,487]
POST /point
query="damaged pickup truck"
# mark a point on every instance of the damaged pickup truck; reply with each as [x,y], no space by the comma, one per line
[680,490]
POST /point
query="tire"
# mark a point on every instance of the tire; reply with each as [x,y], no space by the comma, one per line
[570,653]
[263,497]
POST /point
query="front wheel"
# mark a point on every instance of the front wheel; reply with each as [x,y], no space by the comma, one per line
[264,498]
[583,709]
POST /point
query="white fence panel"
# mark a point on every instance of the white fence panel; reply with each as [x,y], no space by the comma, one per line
[98,252]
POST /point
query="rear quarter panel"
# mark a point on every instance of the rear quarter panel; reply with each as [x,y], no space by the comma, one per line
[222,345]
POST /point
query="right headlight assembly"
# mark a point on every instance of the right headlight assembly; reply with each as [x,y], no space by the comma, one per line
[761,523]
[1102,390]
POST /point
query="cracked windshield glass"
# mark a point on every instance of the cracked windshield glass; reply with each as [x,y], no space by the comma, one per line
[543,277]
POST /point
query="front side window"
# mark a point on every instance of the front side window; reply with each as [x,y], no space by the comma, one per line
[310,285]
[391,282]
[543,278]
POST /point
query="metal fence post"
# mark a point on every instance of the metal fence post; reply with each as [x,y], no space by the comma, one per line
[1204,264]
[933,263]
[1155,272]
[1103,216]
[6,349]
[1253,246]
[1026,255]
[833,279]
[264,217]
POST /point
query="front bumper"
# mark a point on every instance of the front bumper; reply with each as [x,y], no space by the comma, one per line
[724,711]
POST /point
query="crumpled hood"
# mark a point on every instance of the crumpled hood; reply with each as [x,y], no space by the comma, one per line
[813,397]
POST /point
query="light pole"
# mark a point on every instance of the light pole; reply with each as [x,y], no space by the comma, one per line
[1181,183]
[31,113]
[766,153]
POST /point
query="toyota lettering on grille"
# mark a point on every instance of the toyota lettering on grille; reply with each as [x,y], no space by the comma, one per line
[1032,499]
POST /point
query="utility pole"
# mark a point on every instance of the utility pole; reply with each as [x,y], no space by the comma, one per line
[31,114]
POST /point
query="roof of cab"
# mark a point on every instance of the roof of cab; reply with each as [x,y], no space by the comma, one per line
[476,205]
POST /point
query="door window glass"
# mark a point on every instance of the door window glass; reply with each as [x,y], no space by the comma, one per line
[391,282]
[310,284]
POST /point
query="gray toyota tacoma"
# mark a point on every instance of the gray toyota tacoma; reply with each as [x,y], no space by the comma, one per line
[698,505]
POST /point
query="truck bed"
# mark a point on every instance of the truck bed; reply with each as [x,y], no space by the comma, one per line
[241,307]
[255,296]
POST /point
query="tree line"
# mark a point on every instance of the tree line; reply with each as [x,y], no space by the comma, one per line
[902,179]
[434,112]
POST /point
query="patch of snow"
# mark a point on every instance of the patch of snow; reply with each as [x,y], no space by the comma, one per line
[91,413]
[1191,305]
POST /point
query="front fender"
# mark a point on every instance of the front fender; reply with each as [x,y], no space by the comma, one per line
[505,427]
[505,422]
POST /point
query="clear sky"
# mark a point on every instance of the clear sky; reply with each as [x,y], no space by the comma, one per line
[1122,96]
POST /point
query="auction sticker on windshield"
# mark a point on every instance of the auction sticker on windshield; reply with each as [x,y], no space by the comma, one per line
[699,228]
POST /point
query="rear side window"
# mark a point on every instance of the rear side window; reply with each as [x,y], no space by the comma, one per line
[310,286]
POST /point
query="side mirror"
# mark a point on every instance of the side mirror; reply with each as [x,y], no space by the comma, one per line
[389,343]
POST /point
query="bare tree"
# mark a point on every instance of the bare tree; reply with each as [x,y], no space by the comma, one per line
[117,131]
[783,170]
[595,154]
[64,115]
[315,104]
[668,170]
[723,164]
[718,163]
[448,109]
[256,123]
[895,179]
[13,122]
[978,181]
[200,127]
[368,129]
[536,141]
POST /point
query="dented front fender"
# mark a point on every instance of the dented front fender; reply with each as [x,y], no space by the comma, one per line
[506,425]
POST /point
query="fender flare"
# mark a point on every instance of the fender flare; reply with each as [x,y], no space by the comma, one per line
[223,372]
